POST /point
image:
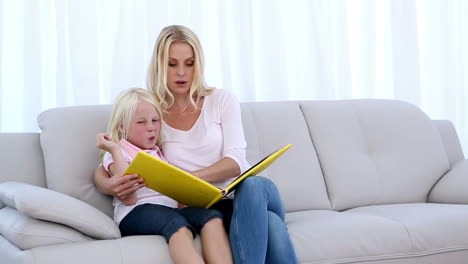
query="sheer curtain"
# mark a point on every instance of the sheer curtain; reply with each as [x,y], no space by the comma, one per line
[63,52]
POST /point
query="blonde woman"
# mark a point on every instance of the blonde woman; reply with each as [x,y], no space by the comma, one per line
[135,126]
[204,135]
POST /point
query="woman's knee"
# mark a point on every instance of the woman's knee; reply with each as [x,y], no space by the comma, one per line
[256,183]
[277,229]
[280,247]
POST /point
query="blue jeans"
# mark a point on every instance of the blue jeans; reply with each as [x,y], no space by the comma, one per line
[257,231]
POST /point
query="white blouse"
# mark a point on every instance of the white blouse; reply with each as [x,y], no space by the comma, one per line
[216,134]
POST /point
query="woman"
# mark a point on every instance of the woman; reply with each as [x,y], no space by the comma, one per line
[203,134]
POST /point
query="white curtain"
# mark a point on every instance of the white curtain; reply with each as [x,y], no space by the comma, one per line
[67,52]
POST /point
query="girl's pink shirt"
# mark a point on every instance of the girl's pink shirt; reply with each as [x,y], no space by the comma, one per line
[144,195]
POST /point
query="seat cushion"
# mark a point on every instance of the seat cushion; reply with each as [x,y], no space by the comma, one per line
[431,227]
[321,236]
[404,233]
[126,250]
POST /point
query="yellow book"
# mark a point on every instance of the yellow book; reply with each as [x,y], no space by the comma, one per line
[185,187]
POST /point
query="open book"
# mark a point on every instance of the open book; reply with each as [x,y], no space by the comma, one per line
[185,187]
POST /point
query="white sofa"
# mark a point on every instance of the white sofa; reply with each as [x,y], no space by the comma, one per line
[366,181]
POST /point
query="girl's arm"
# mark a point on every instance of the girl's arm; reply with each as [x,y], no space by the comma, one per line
[118,165]
[116,170]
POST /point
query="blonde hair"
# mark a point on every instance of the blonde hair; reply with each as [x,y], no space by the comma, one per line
[157,73]
[123,110]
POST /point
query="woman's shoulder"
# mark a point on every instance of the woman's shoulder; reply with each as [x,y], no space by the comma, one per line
[222,95]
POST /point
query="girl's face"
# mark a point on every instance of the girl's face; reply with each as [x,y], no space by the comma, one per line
[144,126]
[181,68]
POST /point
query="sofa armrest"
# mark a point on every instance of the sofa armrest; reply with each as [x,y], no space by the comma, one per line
[450,140]
[13,168]
[44,204]
[453,186]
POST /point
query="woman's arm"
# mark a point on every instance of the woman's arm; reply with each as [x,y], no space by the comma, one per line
[120,187]
[221,171]
[234,144]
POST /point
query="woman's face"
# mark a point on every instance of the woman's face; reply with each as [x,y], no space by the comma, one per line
[181,68]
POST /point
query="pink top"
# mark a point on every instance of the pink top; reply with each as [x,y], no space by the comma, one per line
[216,134]
[144,195]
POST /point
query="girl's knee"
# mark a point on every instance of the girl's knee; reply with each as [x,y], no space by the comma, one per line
[183,230]
[181,234]
[215,222]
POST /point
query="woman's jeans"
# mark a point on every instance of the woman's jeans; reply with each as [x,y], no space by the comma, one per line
[257,232]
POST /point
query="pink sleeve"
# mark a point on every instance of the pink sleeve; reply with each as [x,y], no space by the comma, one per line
[233,132]
[106,161]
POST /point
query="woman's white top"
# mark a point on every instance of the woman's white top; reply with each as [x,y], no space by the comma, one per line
[216,134]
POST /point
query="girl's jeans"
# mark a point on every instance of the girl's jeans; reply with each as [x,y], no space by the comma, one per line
[257,232]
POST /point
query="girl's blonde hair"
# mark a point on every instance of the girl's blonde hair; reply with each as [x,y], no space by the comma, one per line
[123,110]
[157,73]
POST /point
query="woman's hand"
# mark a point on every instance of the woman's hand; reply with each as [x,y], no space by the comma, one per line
[121,187]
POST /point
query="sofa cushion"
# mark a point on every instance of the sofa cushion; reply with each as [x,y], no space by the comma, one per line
[26,232]
[322,236]
[68,140]
[397,233]
[375,151]
[297,173]
[45,204]
[126,250]
[431,227]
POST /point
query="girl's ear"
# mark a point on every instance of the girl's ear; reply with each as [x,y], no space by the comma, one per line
[121,128]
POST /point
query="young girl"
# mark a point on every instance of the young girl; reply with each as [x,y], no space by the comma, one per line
[135,126]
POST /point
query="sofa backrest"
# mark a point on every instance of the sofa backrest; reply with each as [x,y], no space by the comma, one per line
[375,151]
[345,154]
[68,138]
[270,125]
[70,156]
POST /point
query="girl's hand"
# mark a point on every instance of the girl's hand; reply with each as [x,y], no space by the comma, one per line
[104,142]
